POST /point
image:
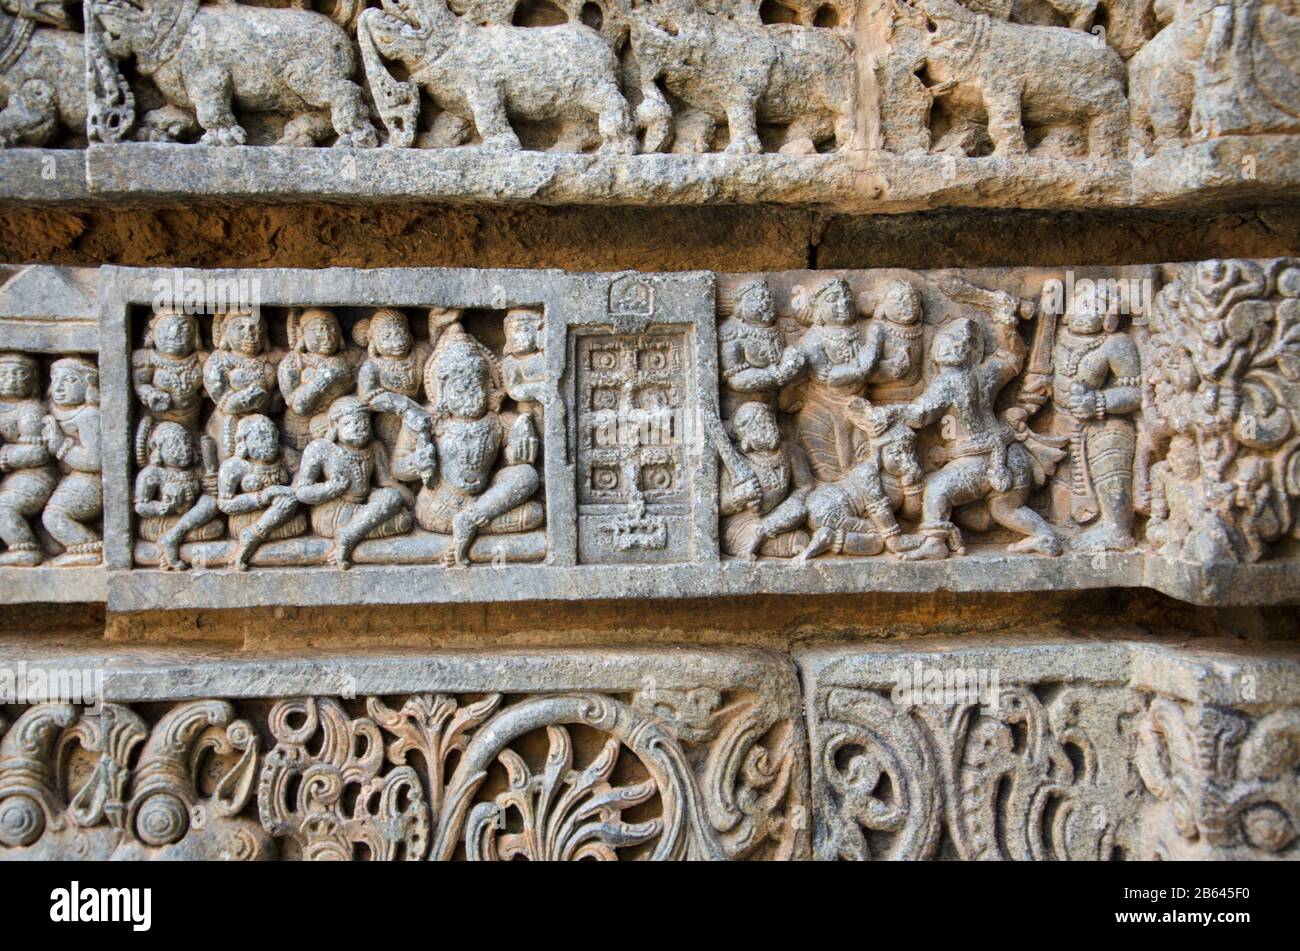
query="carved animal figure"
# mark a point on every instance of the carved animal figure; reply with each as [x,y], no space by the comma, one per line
[1162,75]
[206,60]
[1016,73]
[488,75]
[42,73]
[741,74]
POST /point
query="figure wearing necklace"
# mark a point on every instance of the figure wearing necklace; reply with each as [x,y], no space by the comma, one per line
[240,377]
[170,497]
[167,376]
[774,524]
[894,339]
[71,434]
[394,363]
[254,491]
[27,477]
[344,477]
[312,375]
[753,357]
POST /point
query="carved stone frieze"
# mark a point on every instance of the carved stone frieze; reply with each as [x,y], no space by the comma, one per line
[1054,750]
[877,105]
[544,756]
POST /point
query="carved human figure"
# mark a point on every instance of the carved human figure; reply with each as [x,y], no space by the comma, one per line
[394,363]
[315,372]
[462,495]
[27,476]
[753,357]
[170,497]
[254,490]
[856,515]
[72,436]
[344,477]
[987,459]
[773,524]
[894,337]
[839,362]
[1097,389]
[240,377]
[167,375]
[523,364]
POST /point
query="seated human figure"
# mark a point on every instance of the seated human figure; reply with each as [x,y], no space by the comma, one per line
[344,477]
[856,515]
[464,493]
[254,491]
[773,523]
[169,497]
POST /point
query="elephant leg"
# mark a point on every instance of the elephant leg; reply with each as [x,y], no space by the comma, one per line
[490,117]
[613,120]
[743,126]
[1005,129]
[1140,139]
[342,97]
[1106,134]
[656,117]
[209,88]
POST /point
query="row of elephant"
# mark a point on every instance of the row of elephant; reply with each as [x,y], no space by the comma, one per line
[649,76]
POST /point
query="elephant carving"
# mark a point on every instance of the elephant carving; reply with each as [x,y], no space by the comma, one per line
[487,76]
[42,73]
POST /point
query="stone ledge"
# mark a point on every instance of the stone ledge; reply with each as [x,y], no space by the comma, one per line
[1231,170]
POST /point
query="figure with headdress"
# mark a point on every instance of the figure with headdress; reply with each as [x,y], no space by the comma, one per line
[345,478]
[988,458]
[894,338]
[394,363]
[315,372]
[753,357]
[167,376]
[72,436]
[27,475]
[856,515]
[254,490]
[464,493]
[239,375]
[840,360]
[523,364]
[170,496]
[772,525]
[1097,388]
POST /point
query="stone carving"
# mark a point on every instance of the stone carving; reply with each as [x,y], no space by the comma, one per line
[482,77]
[251,454]
[50,463]
[710,769]
[739,73]
[1224,781]
[1219,392]
[205,60]
[773,521]
[42,74]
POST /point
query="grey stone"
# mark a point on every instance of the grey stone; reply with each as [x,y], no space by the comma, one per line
[658,753]
[1025,750]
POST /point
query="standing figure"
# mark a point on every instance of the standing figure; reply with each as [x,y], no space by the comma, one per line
[167,375]
[27,477]
[254,491]
[344,477]
[839,363]
[462,495]
[1097,388]
[988,459]
[523,364]
[394,363]
[71,433]
[772,525]
[894,338]
[312,375]
[240,377]
[855,516]
[753,357]
[170,497]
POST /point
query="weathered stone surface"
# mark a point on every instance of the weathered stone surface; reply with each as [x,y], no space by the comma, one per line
[883,106]
[600,754]
[51,491]
[1066,750]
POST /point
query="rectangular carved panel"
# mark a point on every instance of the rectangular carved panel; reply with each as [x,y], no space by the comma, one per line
[1055,750]
[603,754]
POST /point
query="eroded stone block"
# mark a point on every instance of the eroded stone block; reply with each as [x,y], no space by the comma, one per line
[597,754]
[1056,750]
